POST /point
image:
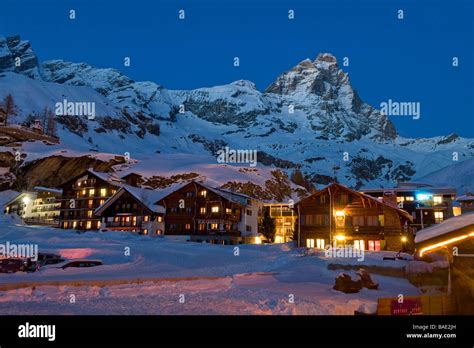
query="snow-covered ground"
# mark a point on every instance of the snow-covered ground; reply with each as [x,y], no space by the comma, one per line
[172,276]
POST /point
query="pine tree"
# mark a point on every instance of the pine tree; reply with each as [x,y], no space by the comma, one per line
[267,226]
[9,109]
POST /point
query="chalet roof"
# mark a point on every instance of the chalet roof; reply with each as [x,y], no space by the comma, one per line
[446,227]
[465,198]
[111,178]
[237,198]
[360,194]
[20,196]
[145,196]
[48,189]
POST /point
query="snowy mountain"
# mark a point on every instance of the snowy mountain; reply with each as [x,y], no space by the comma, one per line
[310,123]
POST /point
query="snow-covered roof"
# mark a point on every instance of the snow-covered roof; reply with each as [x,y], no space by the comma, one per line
[466,197]
[146,196]
[231,196]
[445,227]
[21,195]
[111,178]
[48,189]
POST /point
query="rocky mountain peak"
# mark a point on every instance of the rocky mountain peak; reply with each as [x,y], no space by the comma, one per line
[18,56]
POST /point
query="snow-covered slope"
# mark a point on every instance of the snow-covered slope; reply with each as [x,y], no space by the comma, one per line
[309,119]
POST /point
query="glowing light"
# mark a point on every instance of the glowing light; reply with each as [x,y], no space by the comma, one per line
[340,213]
[26,200]
[258,240]
[449,241]
[340,237]
[423,196]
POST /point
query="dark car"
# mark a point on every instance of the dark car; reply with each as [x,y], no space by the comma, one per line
[80,263]
[12,265]
[48,259]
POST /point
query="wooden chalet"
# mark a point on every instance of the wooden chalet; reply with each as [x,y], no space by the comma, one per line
[338,214]
[82,195]
[211,215]
[132,209]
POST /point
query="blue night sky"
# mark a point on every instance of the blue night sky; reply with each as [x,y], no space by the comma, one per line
[402,60]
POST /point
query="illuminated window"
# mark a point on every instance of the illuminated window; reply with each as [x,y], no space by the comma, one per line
[134,220]
[359,244]
[89,213]
[187,226]
[116,219]
[145,231]
[228,211]
[74,224]
[409,198]
[203,193]
[88,225]
[320,243]
[127,219]
[438,216]
[215,209]
[65,225]
[213,226]
[374,245]
[84,192]
[159,218]
[201,227]
[400,199]
[202,210]
[437,199]
[103,192]
[159,232]
[310,243]
[91,192]
[91,202]
[146,218]
[101,201]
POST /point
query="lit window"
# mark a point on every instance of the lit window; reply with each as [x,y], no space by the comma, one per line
[438,216]
[213,226]
[320,243]
[103,192]
[101,202]
[159,232]
[145,231]
[89,213]
[134,219]
[91,192]
[187,226]
[202,227]
[74,224]
[84,192]
[160,219]
[203,193]
[374,245]
[310,243]
[202,210]
[437,199]
[400,199]
[146,218]
[409,198]
[88,225]
[215,209]
[228,211]
[127,219]
[91,202]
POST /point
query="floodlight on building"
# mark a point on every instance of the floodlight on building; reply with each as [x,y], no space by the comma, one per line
[26,199]
[340,237]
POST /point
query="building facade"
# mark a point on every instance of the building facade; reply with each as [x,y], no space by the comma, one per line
[285,221]
[38,206]
[211,215]
[132,209]
[82,195]
[339,215]
[428,205]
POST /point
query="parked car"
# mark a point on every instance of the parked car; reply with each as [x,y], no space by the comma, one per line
[79,263]
[12,265]
[48,259]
